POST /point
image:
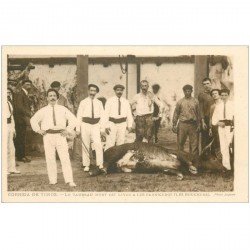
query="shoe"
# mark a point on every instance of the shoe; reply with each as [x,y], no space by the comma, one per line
[27,159]
[15,172]
[52,183]
[193,170]
[72,184]
[102,169]
[86,169]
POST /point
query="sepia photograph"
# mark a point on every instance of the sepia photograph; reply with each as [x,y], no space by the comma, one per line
[90,123]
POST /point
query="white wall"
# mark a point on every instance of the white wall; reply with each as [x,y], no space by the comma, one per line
[171,77]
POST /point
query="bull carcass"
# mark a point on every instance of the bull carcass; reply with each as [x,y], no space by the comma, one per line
[150,158]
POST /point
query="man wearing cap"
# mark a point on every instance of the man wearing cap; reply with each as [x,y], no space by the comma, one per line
[90,116]
[118,117]
[22,119]
[51,122]
[223,117]
[187,116]
[143,108]
[62,100]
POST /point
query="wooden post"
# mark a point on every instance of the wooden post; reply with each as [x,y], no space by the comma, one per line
[200,72]
[82,77]
[82,92]
[138,65]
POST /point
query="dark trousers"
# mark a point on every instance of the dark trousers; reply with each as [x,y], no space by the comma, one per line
[189,130]
[20,141]
[205,138]
[144,127]
[157,124]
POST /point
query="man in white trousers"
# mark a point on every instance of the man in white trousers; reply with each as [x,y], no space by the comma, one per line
[223,118]
[50,122]
[118,117]
[11,134]
[90,116]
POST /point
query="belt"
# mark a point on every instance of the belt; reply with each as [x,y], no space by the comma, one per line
[189,121]
[147,115]
[227,122]
[54,131]
[117,120]
[9,120]
[90,120]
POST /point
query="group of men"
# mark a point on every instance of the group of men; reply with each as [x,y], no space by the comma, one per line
[212,115]
[95,121]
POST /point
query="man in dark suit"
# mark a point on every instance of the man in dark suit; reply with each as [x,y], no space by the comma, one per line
[22,119]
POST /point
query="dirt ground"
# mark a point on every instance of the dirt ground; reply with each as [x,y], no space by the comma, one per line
[34,177]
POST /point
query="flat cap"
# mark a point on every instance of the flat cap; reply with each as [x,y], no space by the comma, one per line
[94,86]
[55,84]
[188,87]
[119,86]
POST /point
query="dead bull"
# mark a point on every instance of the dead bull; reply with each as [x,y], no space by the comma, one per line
[147,158]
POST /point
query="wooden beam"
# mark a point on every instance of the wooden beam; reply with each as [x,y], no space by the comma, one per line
[82,77]
[200,72]
[138,75]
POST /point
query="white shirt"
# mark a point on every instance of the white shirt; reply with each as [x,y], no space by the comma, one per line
[43,118]
[219,112]
[112,110]
[143,104]
[85,110]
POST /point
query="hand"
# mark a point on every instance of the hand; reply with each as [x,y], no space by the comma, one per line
[204,125]
[174,129]
[107,130]
[221,124]
[198,129]
[210,132]
[41,132]
[64,133]
[130,129]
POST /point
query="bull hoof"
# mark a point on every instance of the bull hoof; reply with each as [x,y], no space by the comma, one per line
[180,177]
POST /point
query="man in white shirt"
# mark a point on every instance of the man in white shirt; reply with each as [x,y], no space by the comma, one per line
[90,116]
[118,117]
[50,122]
[143,108]
[222,117]
[11,134]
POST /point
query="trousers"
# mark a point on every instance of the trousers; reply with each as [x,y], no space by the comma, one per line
[91,133]
[144,127]
[11,150]
[189,130]
[20,140]
[116,135]
[53,143]
[226,138]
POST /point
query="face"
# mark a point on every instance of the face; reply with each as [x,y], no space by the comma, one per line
[144,87]
[9,95]
[207,85]
[92,92]
[27,86]
[224,96]
[155,90]
[215,95]
[52,98]
[119,92]
[187,92]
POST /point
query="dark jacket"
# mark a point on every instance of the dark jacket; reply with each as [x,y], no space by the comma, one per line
[22,108]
